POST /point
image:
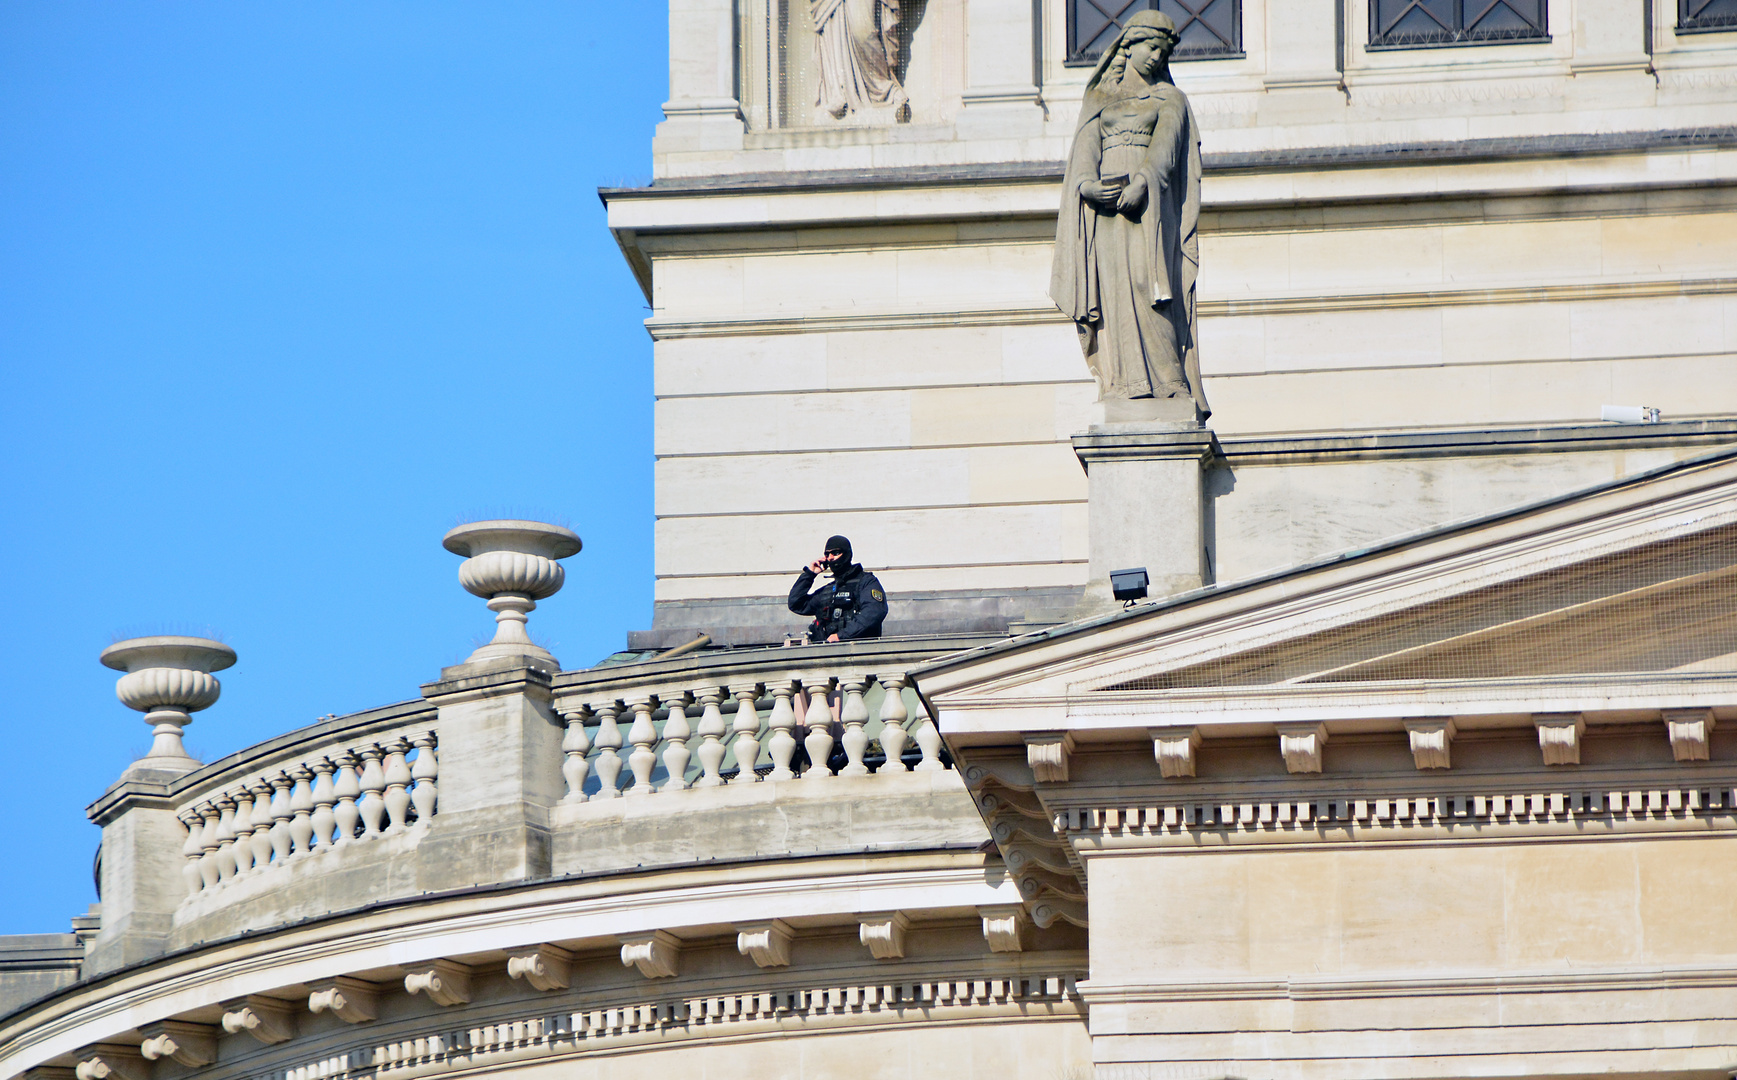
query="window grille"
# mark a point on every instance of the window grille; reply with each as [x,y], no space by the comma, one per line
[1706,16]
[1210,29]
[1409,24]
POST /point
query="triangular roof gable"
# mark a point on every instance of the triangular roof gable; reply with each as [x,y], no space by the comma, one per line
[1637,574]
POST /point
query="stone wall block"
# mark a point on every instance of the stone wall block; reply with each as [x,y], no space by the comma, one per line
[500,772]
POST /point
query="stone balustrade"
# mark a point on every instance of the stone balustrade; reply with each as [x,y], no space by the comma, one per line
[506,770]
[807,724]
[322,803]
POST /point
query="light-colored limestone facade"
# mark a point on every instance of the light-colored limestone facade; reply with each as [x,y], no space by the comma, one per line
[1461,804]
[1419,762]
[1400,247]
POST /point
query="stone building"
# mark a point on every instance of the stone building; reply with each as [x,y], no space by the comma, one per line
[1419,760]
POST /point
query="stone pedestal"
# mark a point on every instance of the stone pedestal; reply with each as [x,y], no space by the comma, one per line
[141,882]
[1146,500]
[500,772]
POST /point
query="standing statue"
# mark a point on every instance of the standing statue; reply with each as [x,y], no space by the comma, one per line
[1127,251]
[856,52]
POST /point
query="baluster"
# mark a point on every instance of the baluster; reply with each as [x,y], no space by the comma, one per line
[747,731]
[643,736]
[893,717]
[575,744]
[397,776]
[262,822]
[225,837]
[676,733]
[325,822]
[426,774]
[712,736]
[854,713]
[191,851]
[608,741]
[346,786]
[282,840]
[780,742]
[208,816]
[818,720]
[928,740]
[373,781]
[243,849]
[302,804]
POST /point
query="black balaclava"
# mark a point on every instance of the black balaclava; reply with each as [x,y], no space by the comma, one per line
[839,544]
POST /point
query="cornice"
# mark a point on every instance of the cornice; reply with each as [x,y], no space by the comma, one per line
[1098,992]
[569,1027]
[1354,155]
[490,679]
[1368,706]
[1116,442]
[1037,311]
[1309,448]
[432,927]
[1544,809]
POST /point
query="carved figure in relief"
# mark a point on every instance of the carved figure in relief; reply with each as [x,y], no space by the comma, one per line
[1127,251]
[856,53]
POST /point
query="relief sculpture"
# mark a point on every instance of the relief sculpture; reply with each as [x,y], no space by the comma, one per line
[856,54]
[1127,251]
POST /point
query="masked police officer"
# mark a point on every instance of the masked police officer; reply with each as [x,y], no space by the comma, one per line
[853,606]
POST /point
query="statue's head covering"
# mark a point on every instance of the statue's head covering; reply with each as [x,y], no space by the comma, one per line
[1144,25]
[1145,21]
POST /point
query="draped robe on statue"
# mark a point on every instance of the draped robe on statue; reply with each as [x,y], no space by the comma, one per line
[856,50]
[1127,278]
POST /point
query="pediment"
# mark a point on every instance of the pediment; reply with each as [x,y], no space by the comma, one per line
[1631,580]
[1665,606]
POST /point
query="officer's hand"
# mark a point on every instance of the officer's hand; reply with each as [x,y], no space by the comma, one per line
[817,566]
[833,638]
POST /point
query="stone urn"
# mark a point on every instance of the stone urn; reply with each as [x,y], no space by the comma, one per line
[168,678]
[512,564]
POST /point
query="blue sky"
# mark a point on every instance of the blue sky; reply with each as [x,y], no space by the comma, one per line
[286,291]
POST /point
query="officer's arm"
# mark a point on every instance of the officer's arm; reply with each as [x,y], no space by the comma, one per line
[799,599]
[869,615]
